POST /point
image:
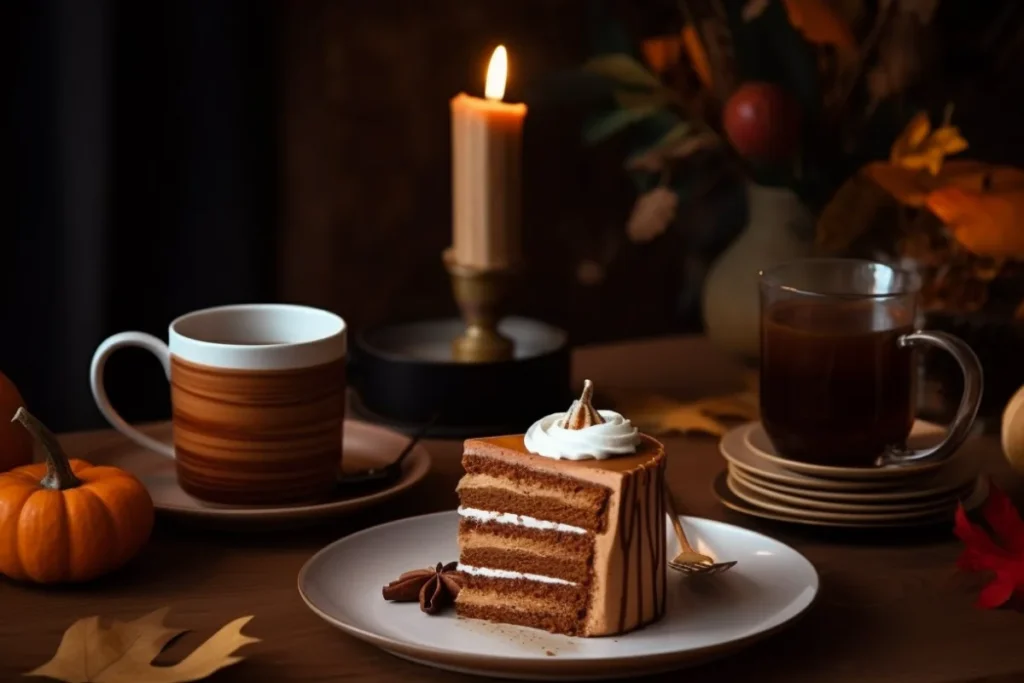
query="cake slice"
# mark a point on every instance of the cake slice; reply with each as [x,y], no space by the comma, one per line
[572,546]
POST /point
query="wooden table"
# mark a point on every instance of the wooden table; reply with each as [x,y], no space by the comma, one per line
[891,608]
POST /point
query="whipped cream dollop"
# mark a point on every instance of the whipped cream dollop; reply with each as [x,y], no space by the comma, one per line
[582,433]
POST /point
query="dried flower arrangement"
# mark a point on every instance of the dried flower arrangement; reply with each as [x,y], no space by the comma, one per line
[852,104]
[807,94]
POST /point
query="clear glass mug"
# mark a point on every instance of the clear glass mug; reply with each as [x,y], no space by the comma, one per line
[838,366]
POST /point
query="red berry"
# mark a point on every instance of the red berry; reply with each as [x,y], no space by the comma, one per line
[762,121]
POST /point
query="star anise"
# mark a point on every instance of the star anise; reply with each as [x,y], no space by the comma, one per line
[434,588]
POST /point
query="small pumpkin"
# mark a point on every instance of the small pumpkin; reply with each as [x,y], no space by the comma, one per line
[67,521]
[15,442]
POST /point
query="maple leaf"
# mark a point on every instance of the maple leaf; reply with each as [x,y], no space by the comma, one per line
[124,651]
[1002,556]
[657,415]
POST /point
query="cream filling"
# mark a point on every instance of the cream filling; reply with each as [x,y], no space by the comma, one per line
[518,520]
[506,574]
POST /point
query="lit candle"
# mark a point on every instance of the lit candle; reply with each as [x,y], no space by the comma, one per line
[487,137]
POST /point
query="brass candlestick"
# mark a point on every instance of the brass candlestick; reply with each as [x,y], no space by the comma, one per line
[481,296]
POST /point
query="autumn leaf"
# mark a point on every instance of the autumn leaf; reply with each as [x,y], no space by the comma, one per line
[652,214]
[124,651]
[658,415]
[986,223]
[1000,554]
[918,147]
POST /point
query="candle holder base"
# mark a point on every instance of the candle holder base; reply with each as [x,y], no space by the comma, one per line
[481,296]
[405,373]
[482,345]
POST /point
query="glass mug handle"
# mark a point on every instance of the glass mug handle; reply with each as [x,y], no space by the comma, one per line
[969,400]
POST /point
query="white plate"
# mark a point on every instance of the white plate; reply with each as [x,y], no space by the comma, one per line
[735,449]
[365,446]
[922,435]
[892,518]
[771,585]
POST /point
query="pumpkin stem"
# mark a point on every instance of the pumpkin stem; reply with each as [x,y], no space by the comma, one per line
[59,475]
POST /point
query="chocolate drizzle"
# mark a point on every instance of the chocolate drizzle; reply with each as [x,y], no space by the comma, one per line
[649,480]
[627,521]
[662,560]
[582,414]
[652,547]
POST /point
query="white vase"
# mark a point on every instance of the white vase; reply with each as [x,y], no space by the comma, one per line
[779,229]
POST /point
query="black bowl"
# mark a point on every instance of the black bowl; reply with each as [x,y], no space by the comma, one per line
[404,373]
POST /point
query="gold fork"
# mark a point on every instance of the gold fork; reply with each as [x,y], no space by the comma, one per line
[689,561]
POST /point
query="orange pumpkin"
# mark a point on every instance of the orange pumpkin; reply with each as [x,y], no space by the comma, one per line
[68,521]
[15,442]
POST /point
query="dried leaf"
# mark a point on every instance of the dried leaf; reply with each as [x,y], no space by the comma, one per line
[662,52]
[986,223]
[753,9]
[652,214]
[918,147]
[624,70]
[851,213]
[698,57]
[821,24]
[614,122]
[123,652]
[659,415]
[682,140]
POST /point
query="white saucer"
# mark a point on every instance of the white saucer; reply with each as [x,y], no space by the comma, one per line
[735,448]
[934,488]
[798,499]
[365,445]
[770,586]
[922,435]
[800,514]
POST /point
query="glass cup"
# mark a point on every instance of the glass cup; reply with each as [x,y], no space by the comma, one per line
[838,364]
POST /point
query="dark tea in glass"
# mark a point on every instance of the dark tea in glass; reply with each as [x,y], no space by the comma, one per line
[838,364]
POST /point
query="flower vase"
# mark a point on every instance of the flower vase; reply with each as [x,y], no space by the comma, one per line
[779,228]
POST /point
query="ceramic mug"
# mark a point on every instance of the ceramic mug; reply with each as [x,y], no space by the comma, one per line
[258,401]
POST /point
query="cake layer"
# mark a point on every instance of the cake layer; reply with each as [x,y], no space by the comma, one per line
[529,556]
[579,497]
[555,607]
[523,535]
[553,620]
[582,492]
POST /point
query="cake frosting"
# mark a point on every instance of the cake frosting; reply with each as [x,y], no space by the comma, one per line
[582,433]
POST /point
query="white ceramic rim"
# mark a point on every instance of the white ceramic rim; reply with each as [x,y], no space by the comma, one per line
[325,341]
[415,468]
[498,666]
[755,430]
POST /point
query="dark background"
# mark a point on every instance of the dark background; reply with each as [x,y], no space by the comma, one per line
[167,155]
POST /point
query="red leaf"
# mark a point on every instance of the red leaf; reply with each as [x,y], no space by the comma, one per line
[1002,555]
[996,593]
[1004,520]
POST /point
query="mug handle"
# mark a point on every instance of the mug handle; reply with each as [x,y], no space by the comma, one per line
[99,392]
[969,400]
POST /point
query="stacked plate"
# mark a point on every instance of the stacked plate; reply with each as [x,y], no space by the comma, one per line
[759,482]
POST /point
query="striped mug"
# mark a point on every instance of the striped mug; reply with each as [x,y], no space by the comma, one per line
[257,396]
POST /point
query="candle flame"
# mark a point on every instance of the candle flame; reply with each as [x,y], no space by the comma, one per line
[497,74]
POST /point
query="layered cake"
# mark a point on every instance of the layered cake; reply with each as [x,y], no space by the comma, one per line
[563,528]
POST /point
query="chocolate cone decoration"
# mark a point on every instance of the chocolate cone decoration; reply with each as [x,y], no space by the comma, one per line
[582,414]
